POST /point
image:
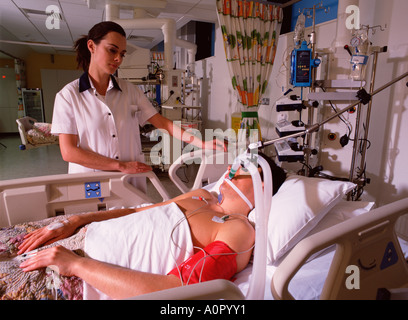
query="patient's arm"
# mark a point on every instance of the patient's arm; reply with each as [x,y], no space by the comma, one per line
[86,218]
[44,236]
[115,281]
[240,237]
[118,282]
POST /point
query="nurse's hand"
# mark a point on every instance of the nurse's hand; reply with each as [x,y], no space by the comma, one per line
[215,144]
[132,167]
[49,234]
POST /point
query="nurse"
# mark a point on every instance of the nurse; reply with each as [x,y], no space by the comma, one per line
[97,116]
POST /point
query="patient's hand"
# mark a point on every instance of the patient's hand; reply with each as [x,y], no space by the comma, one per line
[47,235]
[59,256]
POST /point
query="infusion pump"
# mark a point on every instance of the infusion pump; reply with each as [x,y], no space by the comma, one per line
[301,66]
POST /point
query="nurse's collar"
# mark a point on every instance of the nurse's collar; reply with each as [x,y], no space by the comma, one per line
[85,84]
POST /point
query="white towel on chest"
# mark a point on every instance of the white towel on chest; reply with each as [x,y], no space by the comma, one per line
[140,241]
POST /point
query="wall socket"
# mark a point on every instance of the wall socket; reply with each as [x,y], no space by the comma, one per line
[265,101]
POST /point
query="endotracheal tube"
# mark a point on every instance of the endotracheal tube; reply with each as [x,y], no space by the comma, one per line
[234,168]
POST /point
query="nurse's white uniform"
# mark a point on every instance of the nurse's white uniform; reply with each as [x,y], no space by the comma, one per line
[107,125]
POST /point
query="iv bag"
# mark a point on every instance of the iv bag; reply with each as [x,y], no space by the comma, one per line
[299,30]
[360,54]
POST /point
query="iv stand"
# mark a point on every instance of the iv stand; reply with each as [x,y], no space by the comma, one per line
[307,140]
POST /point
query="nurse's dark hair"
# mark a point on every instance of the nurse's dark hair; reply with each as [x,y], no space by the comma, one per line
[96,34]
[278,174]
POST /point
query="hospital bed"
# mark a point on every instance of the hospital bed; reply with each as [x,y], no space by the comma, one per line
[65,194]
[313,235]
[320,239]
[34,134]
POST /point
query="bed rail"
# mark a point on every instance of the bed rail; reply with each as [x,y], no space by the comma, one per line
[368,257]
[212,166]
[209,290]
[37,198]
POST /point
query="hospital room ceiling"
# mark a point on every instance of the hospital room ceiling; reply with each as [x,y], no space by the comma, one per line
[23,22]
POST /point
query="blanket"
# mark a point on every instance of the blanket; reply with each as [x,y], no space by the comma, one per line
[40,133]
[16,284]
[155,240]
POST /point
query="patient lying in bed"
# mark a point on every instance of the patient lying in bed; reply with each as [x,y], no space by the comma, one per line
[122,253]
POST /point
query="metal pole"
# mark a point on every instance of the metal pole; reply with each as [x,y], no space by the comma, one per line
[310,114]
[355,144]
[367,123]
[357,130]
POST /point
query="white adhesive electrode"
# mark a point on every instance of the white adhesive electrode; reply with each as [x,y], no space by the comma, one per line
[220,220]
[57,224]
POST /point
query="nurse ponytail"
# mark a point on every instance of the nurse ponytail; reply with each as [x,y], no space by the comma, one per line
[96,34]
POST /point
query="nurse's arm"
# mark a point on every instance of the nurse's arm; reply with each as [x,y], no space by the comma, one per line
[165,124]
[71,152]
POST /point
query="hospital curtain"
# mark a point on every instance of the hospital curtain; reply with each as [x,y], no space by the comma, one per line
[250,32]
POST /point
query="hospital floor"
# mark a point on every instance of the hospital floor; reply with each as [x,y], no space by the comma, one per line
[47,160]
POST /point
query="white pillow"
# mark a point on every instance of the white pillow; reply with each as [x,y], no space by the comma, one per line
[341,212]
[297,208]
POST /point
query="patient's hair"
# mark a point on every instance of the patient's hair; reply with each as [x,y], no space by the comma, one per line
[96,34]
[278,174]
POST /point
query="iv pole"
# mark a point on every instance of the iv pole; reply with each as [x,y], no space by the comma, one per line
[313,37]
[367,124]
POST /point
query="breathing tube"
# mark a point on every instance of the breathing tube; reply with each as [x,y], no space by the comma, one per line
[263,201]
[234,168]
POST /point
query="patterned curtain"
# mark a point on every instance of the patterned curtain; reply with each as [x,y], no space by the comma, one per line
[250,31]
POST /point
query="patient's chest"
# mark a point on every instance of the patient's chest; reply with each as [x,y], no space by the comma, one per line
[204,219]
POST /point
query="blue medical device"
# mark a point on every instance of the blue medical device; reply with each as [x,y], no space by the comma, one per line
[301,66]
